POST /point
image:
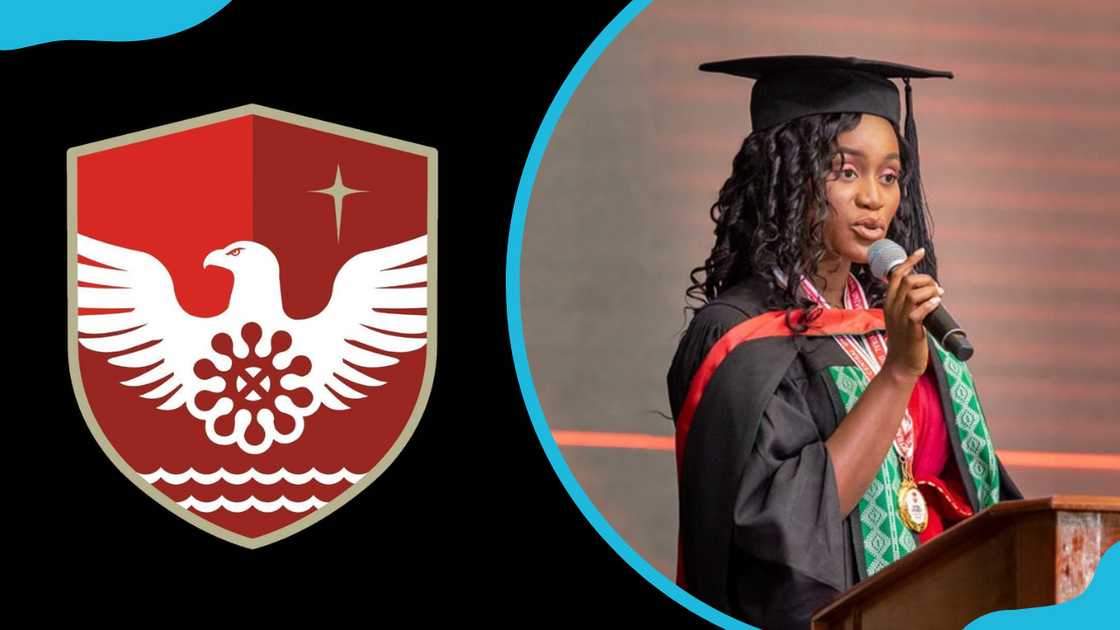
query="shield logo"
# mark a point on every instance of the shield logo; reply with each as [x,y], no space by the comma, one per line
[251,312]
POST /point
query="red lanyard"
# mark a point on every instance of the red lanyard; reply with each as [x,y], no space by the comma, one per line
[869,352]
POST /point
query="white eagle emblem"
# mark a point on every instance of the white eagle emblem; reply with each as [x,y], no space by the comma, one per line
[252,374]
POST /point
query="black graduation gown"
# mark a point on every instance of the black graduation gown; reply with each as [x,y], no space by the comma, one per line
[761,534]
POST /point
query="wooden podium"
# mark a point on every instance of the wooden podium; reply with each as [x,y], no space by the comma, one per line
[1016,554]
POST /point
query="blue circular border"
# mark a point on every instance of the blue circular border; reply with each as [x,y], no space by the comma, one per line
[517,333]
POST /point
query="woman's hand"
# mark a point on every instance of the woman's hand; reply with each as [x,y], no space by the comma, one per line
[910,297]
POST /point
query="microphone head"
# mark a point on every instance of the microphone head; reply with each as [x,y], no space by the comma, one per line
[883,256]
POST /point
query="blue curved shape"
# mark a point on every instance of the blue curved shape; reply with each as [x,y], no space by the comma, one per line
[517,333]
[30,22]
[1090,609]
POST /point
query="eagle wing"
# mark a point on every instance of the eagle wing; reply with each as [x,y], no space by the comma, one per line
[140,323]
[359,329]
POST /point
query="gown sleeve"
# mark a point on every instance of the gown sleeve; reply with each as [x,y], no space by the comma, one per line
[785,543]
[788,529]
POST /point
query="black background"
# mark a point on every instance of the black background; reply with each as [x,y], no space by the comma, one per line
[470,522]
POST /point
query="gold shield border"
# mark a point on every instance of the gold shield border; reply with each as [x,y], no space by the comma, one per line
[72,310]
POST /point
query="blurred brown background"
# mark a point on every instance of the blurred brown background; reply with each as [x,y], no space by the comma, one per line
[1020,163]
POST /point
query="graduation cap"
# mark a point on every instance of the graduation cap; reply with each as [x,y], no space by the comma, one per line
[788,87]
[791,86]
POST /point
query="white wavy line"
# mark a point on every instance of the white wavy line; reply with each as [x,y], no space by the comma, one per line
[237,479]
[222,503]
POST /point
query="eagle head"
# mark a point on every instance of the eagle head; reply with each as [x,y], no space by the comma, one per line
[242,256]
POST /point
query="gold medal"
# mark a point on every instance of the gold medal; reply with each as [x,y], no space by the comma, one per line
[912,506]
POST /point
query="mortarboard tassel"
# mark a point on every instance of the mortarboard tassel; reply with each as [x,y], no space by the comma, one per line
[922,230]
[911,127]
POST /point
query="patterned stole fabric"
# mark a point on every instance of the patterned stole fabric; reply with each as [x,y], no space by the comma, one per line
[976,441]
[885,537]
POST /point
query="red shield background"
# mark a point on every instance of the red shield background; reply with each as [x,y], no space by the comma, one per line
[181,191]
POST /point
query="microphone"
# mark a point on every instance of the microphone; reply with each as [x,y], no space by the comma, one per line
[883,257]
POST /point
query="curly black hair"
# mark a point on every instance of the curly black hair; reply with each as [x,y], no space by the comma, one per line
[771,212]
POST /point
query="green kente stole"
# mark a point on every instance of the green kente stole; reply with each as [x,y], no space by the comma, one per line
[885,537]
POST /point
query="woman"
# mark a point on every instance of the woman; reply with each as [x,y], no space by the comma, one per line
[811,453]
